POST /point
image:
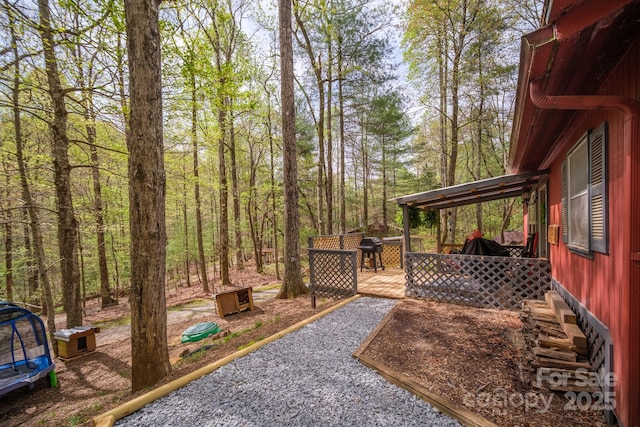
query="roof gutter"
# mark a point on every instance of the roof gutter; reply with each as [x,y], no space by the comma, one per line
[627,106]
[571,22]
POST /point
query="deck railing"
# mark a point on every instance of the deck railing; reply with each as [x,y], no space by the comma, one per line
[333,273]
[392,254]
[336,241]
[477,280]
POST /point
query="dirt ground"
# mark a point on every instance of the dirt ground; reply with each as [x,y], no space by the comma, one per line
[99,381]
[459,352]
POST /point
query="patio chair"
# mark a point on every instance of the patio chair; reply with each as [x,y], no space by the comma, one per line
[531,250]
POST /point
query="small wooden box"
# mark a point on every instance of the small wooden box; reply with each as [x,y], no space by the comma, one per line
[553,231]
[76,341]
[234,301]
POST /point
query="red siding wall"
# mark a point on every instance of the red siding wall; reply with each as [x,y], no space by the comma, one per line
[606,284]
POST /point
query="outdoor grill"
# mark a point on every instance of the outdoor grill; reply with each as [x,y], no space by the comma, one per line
[369,247]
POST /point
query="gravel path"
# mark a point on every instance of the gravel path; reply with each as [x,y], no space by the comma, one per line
[307,378]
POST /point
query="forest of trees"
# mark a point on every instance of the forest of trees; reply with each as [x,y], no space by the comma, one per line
[370,124]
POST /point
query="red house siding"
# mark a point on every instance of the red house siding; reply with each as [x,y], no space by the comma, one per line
[609,284]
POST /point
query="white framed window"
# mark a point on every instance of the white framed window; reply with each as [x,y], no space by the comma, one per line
[584,202]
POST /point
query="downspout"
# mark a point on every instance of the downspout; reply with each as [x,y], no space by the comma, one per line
[630,108]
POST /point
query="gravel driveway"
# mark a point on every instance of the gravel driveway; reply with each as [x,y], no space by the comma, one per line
[306,378]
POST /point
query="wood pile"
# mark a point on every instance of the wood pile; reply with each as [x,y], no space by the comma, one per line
[558,346]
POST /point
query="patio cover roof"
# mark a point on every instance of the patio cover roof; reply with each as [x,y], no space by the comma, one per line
[501,187]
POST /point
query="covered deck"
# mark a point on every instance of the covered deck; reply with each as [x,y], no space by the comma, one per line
[485,190]
[478,280]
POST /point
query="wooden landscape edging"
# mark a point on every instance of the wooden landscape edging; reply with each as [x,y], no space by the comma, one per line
[460,413]
[107,419]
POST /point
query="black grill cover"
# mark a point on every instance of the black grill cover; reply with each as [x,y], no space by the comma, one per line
[482,246]
[370,241]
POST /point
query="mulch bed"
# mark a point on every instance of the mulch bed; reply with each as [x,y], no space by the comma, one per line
[474,359]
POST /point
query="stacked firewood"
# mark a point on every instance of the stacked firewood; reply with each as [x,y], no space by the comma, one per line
[558,348]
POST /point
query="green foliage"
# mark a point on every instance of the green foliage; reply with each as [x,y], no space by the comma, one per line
[419,218]
[74,420]
[250,343]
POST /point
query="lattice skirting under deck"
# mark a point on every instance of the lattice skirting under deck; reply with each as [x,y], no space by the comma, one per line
[599,340]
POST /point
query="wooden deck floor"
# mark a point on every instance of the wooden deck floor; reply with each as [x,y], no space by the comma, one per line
[387,284]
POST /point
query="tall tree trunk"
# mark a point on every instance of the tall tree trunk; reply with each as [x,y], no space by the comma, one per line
[321,164]
[478,157]
[8,238]
[329,182]
[343,198]
[31,266]
[224,199]
[252,210]
[443,81]
[185,219]
[316,64]
[235,191]
[83,283]
[146,197]
[120,53]
[89,113]
[105,288]
[34,224]
[67,224]
[196,187]
[292,284]
[384,186]
[90,117]
[274,222]
[215,239]
[365,176]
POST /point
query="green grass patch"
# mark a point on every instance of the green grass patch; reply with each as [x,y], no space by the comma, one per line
[123,321]
[196,355]
[198,302]
[96,407]
[74,420]
[268,287]
[117,397]
[260,338]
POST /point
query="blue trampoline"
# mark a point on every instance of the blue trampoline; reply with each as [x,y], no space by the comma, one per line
[24,349]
